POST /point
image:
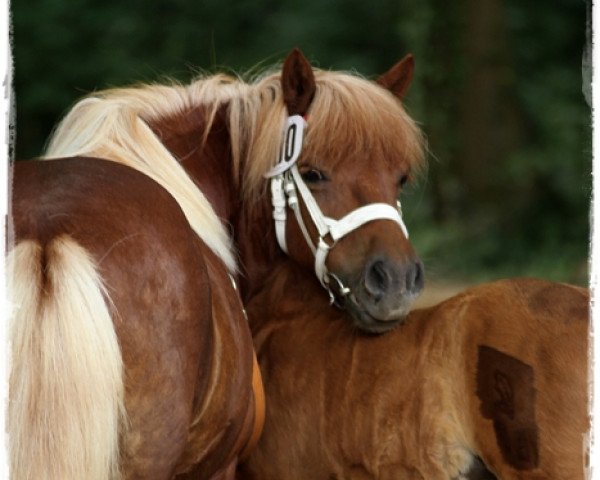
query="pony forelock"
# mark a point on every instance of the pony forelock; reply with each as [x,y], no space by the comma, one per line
[348,114]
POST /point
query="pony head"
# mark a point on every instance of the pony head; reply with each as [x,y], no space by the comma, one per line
[348,150]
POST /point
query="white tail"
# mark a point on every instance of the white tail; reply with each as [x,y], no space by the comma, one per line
[66,407]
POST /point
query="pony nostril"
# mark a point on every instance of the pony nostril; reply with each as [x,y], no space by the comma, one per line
[383,278]
[377,279]
[415,278]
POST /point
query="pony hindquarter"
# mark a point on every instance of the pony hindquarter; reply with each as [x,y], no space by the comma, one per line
[526,364]
[131,357]
[496,376]
[66,385]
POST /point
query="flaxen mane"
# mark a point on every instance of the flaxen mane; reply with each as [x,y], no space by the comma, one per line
[347,110]
[113,124]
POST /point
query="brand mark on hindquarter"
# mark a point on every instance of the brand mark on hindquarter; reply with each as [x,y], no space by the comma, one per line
[505,387]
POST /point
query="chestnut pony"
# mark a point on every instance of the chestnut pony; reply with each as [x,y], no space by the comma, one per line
[492,383]
[130,355]
[489,384]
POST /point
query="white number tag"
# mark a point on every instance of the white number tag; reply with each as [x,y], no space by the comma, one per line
[291,146]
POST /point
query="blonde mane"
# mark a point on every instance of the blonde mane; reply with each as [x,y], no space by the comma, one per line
[113,124]
[346,110]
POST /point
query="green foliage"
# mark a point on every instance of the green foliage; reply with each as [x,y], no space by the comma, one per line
[64,50]
[509,189]
[497,90]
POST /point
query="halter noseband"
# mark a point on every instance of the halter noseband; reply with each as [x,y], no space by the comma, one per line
[286,182]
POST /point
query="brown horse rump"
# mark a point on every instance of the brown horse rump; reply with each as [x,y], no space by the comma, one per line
[174,309]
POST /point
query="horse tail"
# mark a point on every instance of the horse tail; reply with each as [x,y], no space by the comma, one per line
[66,393]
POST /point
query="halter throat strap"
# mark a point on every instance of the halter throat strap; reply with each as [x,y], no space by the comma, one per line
[286,183]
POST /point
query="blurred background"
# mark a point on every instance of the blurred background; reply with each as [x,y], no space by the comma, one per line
[500,91]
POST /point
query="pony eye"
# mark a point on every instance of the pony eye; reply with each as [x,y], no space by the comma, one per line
[402,181]
[313,176]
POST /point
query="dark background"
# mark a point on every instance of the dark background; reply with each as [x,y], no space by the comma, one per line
[498,92]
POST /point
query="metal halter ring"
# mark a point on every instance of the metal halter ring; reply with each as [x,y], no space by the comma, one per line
[339,291]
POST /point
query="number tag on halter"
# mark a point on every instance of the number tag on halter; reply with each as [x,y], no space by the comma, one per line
[291,146]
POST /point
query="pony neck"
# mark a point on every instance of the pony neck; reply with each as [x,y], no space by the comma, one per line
[257,246]
[210,165]
[205,156]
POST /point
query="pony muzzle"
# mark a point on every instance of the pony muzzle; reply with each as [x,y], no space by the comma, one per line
[386,289]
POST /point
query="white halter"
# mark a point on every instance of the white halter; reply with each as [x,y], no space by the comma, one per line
[286,181]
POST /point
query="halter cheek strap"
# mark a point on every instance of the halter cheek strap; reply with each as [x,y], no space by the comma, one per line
[286,182]
[279,210]
[290,152]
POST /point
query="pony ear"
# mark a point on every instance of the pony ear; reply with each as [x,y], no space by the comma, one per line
[398,78]
[297,82]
